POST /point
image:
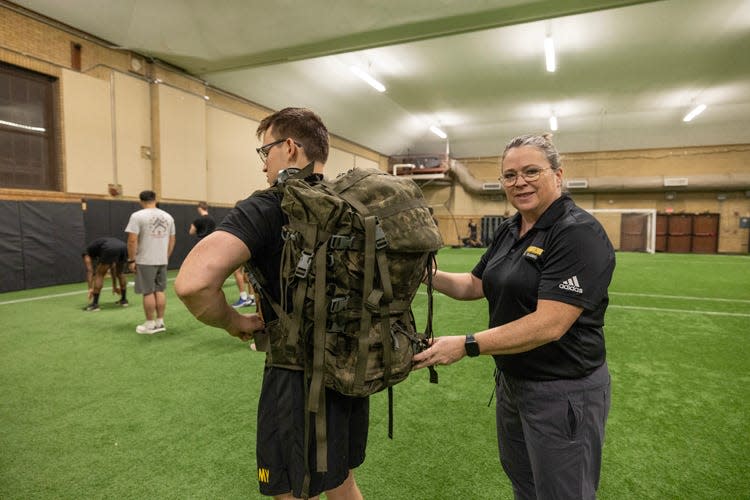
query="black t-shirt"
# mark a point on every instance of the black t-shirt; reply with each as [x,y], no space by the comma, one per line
[107,250]
[204,225]
[257,221]
[566,257]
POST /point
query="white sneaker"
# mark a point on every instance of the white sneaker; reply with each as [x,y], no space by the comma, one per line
[144,329]
[160,328]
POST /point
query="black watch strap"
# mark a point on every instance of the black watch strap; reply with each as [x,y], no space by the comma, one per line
[471,346]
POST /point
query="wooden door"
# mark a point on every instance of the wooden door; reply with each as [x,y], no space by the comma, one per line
[633,230]
[705,233]
[679,233]
[661,232]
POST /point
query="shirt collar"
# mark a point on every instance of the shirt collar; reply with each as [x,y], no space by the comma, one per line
[553,212]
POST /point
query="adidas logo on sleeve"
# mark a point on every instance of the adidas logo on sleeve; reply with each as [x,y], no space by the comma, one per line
[571,284]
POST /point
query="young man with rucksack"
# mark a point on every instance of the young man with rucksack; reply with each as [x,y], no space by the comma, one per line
[292,138]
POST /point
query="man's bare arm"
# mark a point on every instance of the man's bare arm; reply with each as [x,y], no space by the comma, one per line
[200,280]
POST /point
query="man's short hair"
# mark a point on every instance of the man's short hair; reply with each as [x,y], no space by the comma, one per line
[203,205]
[303,126]
[147,196]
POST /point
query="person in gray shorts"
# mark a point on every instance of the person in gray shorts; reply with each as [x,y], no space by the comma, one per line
[151,239]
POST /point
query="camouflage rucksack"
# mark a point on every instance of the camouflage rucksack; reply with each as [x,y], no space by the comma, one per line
[356,249]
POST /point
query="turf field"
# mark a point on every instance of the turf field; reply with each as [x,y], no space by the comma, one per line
[90,409]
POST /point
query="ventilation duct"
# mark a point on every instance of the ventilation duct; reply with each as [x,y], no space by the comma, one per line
[576,184]
[470,183]
[675,181]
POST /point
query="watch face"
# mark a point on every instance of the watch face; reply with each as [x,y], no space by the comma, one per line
[472,348]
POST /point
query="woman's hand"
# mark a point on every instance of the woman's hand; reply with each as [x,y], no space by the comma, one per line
[443,351]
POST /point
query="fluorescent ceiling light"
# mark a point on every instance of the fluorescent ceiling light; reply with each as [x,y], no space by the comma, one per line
[438,132]
[369,79]
[22,126]
[553,123]
[549,54]
[695,112]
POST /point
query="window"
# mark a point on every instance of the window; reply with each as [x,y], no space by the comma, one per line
[27,134]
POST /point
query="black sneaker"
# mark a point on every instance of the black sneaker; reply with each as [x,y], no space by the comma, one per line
[122,303]
[92,308]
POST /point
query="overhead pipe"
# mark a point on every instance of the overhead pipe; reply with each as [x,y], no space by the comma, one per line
[739,181]
[461,173]
[716,182]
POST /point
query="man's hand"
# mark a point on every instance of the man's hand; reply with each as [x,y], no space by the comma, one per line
[443,351]
[245,326]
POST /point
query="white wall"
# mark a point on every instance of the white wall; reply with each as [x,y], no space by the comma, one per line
[182,147]
[132,131]
[234,170]
[87,138]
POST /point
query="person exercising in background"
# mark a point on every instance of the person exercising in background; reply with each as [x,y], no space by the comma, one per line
[204,224]
[105,255]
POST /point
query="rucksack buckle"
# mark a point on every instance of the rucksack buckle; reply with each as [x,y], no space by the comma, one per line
[338,242]
[338,304]
[380,240]
[303,266]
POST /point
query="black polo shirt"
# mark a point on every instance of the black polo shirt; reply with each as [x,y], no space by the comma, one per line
[566,257]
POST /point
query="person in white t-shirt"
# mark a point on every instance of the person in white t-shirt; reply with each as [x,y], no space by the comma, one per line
[151,239]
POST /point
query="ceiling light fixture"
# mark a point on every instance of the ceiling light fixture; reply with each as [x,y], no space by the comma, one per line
[364,75]
[695,112]
[438,132]
[549,54]
[553,123]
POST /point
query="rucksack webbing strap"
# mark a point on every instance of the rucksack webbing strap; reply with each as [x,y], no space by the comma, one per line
[431,261]
[366,322]
[316,402]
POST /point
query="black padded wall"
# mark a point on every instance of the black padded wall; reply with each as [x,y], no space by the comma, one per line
[53,237]
[41,242]
[11,254]
[108,218]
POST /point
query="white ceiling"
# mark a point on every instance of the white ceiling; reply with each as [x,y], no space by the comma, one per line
[627,70]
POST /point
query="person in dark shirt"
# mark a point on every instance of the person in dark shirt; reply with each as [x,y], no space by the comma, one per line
[204,224]
[292,138]
[102,256]
[545,277]
[473,239]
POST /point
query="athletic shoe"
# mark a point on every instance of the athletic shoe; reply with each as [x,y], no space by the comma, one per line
[92,308]
[122,303]
[250,301]
[160,328]
[145,330]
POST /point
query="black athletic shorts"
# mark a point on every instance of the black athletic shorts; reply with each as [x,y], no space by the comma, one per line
[113,255]
[281,434]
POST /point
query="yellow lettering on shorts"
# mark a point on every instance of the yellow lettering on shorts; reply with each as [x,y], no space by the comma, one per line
[263,474]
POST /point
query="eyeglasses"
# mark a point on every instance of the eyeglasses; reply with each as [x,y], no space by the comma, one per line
[266,148]
[529,174]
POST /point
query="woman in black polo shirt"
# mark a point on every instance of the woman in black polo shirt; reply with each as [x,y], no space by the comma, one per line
[545,277]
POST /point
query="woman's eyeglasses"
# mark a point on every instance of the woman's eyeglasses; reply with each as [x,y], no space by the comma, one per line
[529,174]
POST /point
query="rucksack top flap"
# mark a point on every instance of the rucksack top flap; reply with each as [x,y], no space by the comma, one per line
[411,230]
[399,205]
[308,205]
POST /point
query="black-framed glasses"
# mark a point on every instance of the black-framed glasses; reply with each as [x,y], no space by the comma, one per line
[266,148]
[529,174]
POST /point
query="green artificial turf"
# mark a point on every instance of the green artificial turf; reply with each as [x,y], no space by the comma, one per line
[90,409]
